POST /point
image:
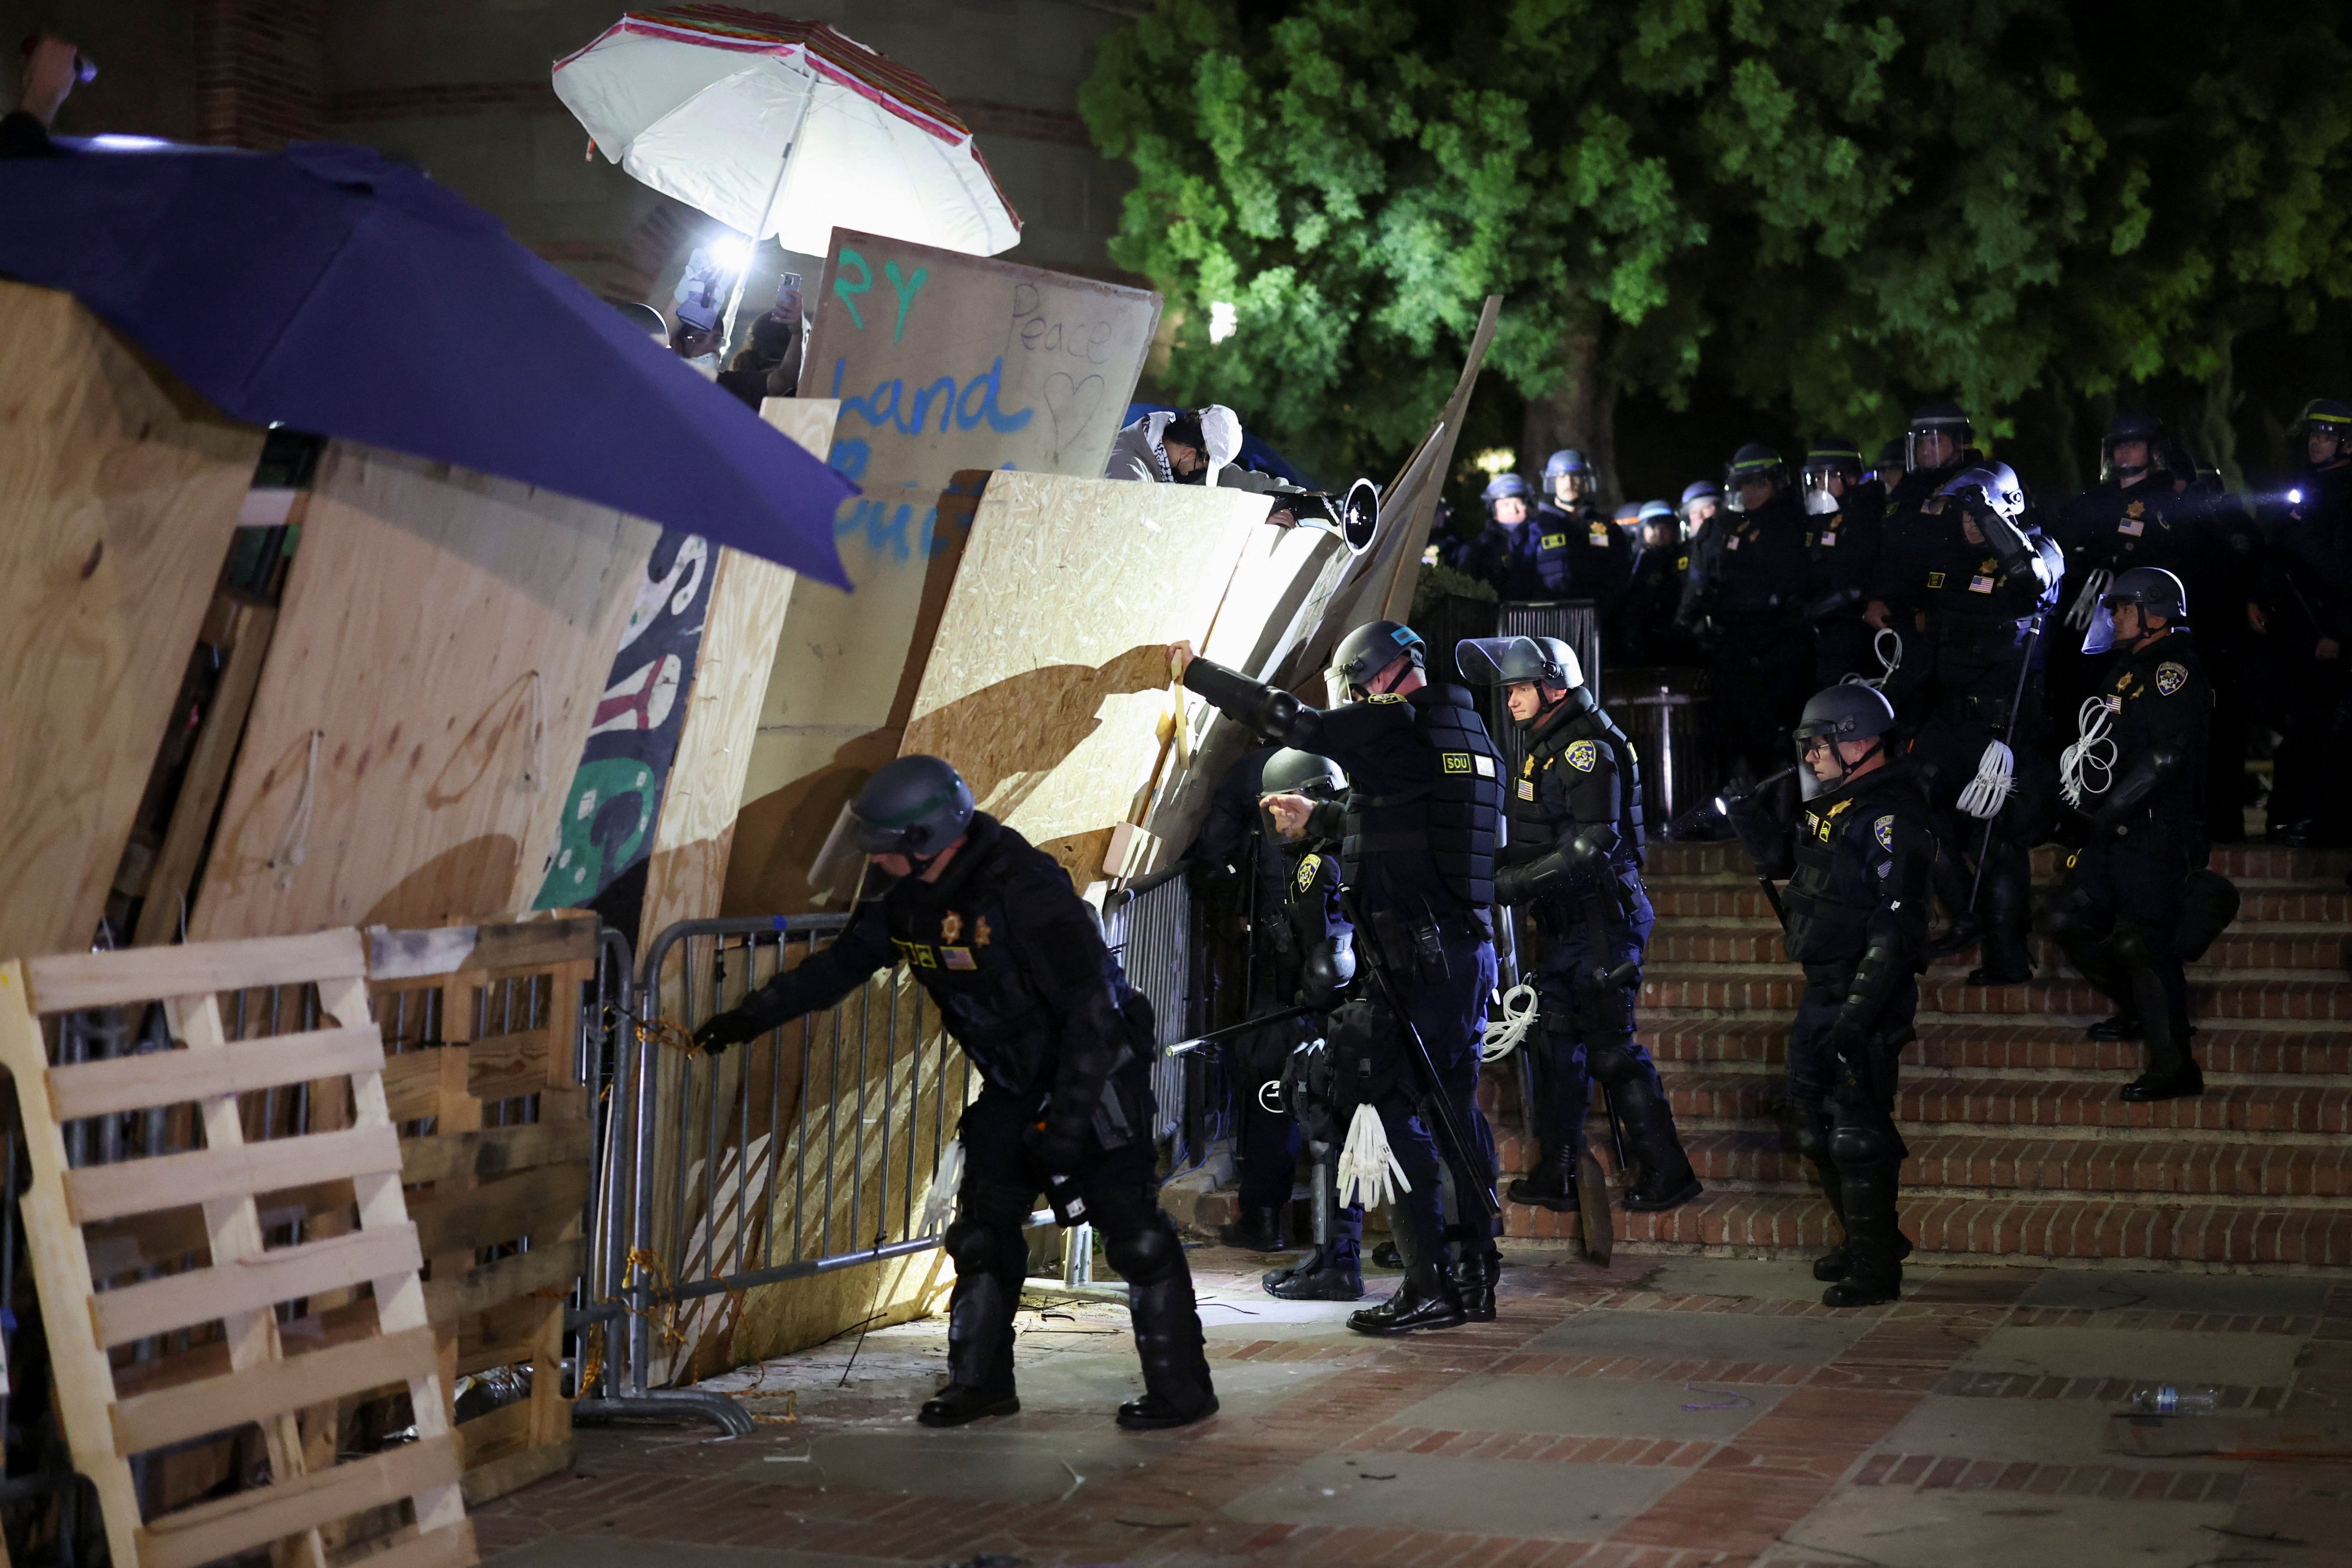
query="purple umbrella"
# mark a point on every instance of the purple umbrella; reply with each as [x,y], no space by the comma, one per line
[335,291]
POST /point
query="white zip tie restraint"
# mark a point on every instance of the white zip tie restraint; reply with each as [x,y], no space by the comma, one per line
[2086,604]
[295,842]
[1504,1033]
[1888,661]
[1368,1166]
[2094,753]
[939,1204]
[1996,779]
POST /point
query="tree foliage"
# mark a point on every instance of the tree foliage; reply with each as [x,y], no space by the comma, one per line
[1848,206]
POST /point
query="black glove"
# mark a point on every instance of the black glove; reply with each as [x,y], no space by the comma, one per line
[732,1026]
[1054,1147]
[1512,883]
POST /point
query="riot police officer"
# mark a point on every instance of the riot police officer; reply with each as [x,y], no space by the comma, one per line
[1015,963]
[1749,598]
[1934,448]
[1646,630]
[1420,827]
[1580,552]
[2126,520]
[1574,863]
[1504,555]
[1843,512]
[2306,613]
[1989,583]
[1855,913]
[2137,772]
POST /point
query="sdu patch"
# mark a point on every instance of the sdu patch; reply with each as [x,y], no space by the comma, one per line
[1582,756]
[1883,831]
[1456,761]
[1554,541]
[2171,677]
[1935,580]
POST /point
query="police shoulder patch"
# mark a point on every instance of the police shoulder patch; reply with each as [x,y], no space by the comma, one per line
[1883,831]
[1456,761]
[1582,756]
[1307,867]
[2170,677]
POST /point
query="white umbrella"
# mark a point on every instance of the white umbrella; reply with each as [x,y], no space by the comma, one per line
[785,127]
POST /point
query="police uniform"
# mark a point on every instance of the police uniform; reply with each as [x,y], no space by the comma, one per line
[1650,630]
[1579,553]
[1855,915]
[1015,963]
[1419,830]
[1316,923]
[1752,588]
[2123,903]
[2105,532]
[1580,783]
[1841,551]
[1985,618]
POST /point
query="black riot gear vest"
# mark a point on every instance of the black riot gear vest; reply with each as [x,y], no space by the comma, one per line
[1454,818]
[1828,899]
[1580,719]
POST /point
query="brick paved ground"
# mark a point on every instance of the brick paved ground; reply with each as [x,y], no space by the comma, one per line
[1670,1413]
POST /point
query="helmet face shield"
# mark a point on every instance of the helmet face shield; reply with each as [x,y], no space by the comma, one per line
[2102,635]
[1503,660]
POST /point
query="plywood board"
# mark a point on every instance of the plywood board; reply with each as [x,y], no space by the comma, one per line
[687,875]
[942,363]
[1048,684]
[442,645]
[120,490]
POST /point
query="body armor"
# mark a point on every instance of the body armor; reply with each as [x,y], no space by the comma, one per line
[1454,818]
[1830,899]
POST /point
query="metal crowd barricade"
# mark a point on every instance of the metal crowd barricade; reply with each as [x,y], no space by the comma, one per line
[752,1190]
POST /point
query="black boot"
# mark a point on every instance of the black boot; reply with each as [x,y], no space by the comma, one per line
[1837,1262]
[1666,1180]
[2171,1072]
[1427,1300]
[1176,1387]
[1874,1254]
[1257,1230]
[2122,1026]
[1550,1182]
[1951,879]
[980,1355]
[1318,1279]
[2005,918]
[1474,1281]
[1387,1255]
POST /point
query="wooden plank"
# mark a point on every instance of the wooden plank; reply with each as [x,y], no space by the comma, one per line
[1048,682]
[537,943]
[494,1151]
[444,637]
[73,980]
[174,1077]
[280,1274]
[412,1081]
[503,1066]
[535,1201]
[311,1332]
[190,1410]
[488,1483]
[206,776]
[543,1268]
[249,1519]
[451,1546]
[495,1433]
[138,1186]
[121,488]
[166,1238]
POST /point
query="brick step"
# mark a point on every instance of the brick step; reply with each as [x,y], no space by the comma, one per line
[2318,952]
[2013,1047]
[2041,1229]
[2252,862]
[2227,1171]
[2070,1103]
[1774,988]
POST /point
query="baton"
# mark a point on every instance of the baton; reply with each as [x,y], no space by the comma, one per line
[1455,1148]
[1234,1031]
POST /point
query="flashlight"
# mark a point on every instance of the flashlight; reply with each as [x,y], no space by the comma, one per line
[2295,498]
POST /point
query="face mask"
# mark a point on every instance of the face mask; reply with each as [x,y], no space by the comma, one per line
[1820,503]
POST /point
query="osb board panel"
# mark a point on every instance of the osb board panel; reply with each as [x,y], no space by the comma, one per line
[1047,683]
[687,873]
[422,603]
[119,490]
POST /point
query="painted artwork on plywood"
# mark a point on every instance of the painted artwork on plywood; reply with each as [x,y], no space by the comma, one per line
[616,797]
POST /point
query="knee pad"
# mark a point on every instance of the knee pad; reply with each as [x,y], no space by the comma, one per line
[2132,946]
[1872,1142]
[1813,1137]
[972,1244]
[1148,1256]
[1612,1061]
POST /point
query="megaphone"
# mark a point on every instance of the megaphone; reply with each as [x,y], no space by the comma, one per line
[1354,516]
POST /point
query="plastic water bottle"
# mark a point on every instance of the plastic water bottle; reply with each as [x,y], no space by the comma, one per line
[2171,1400]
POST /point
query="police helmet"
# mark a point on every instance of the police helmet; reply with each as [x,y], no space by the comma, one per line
[1566,460]
[1942,417]
[1501,661]
[1698,490]
[1996,482]
[2132,424]
[1753,461]
[1290,772]
[1503,488]
[1847,711]
[2154,590]
[1656,511]
[1828,455]
[2328,416]
[916,807]
[1364,653]
[1628,516]
[1892,455]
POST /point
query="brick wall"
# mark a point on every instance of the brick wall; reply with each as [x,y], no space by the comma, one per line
[260,72]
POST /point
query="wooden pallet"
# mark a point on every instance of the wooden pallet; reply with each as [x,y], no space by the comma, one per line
[483,1022]
[221,1362]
